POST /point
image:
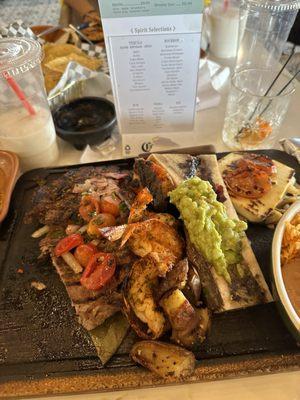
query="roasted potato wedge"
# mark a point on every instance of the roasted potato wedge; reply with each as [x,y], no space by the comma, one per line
[183,318]
[164,359]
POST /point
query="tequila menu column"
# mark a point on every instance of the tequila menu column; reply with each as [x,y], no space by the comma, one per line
[153,49]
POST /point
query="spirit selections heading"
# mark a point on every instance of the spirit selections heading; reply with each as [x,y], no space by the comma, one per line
[153,29]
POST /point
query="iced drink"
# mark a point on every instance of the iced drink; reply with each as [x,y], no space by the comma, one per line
[26,125]
[223,26]
[32,137]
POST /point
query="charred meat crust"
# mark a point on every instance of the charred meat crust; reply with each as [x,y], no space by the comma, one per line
[158,186]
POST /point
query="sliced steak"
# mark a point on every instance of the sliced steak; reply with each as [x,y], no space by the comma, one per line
[94,313]
[91,306]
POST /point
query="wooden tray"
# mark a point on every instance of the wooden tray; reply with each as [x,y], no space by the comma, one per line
[43,350]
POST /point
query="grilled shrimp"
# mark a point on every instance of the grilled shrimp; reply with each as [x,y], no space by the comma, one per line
[138,297]
[142,199]
[156,238]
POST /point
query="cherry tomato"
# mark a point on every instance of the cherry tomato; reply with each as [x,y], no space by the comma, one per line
[68,243]
[110,205]
[84,253]
[99,271]
[100,221]
[89,206]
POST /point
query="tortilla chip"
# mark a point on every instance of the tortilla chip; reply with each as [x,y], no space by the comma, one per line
[52,51]
[60,64]
[58,56]
[51,78]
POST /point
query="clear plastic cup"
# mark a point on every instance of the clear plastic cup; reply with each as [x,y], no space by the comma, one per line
[222,27]
[26,125]
[264,29]
[253,120]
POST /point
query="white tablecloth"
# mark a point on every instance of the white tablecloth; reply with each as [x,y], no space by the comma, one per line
[208,129]
[284,386]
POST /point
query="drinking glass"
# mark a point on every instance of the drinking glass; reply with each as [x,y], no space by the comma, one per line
[253,119]
[264,29]
[26,125]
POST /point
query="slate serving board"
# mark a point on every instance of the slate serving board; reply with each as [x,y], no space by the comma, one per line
[43,350]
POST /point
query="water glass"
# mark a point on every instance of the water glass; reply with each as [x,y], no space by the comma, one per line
[264,29]
[253,119]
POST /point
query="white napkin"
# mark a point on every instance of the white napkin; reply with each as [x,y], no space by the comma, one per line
[212,78]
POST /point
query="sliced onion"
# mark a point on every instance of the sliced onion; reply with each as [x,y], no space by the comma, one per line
[82,229]
[40,232]
[72,262]
[70,229]
[113,233]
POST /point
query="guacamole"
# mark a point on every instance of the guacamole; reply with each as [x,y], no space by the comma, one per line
[211,231]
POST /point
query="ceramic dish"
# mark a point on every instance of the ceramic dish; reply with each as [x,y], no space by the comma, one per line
[287,311]
[9,170]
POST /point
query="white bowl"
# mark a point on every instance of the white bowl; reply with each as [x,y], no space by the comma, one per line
[286,308]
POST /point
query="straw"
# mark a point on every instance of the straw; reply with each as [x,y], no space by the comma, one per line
[274,81]
[280,92]
[225,5]
[20,94]
[269,89]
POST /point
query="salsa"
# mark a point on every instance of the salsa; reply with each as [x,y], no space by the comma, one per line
[291,278]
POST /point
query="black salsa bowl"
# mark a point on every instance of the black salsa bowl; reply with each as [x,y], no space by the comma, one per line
[85,121]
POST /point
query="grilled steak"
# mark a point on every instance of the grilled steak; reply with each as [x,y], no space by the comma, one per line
[57,202]
[91,306]
[93,313]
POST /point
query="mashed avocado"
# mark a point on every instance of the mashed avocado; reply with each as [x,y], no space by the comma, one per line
[211,231]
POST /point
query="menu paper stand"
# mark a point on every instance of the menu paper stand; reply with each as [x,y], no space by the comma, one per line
[153,53]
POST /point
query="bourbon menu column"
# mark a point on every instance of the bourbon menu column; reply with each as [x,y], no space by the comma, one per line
[153,49]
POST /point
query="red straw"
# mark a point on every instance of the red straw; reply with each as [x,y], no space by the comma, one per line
[18,91]
[225,5]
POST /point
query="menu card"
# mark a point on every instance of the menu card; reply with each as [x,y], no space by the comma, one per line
[153,49]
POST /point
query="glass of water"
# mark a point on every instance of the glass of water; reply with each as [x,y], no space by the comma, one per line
[256,108]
